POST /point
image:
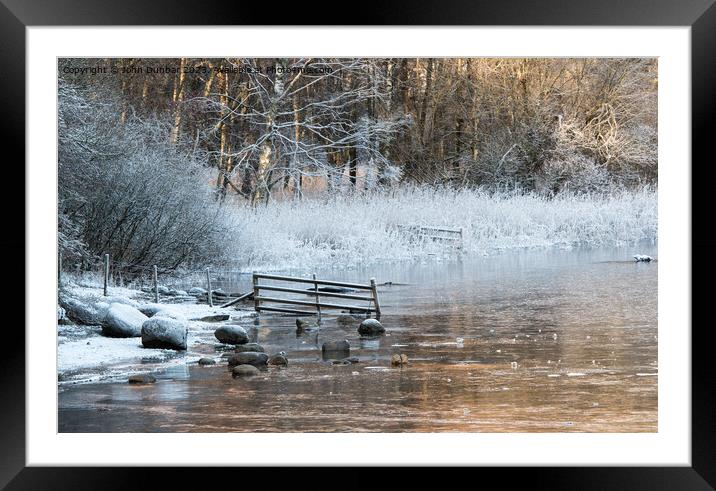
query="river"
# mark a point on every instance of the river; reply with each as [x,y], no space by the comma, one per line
[537,341]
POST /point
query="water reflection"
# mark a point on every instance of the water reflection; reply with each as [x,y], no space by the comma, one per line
[537,342]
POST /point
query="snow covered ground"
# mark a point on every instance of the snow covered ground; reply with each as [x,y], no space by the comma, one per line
[84,355]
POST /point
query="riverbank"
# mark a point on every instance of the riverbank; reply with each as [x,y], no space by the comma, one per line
[85,355]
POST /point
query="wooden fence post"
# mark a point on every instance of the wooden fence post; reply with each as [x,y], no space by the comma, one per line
[375,298]
[257,302]
[318,303]
[106,273]
[208,287]
[156,285]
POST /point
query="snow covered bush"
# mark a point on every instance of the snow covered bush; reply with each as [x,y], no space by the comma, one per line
[127,190]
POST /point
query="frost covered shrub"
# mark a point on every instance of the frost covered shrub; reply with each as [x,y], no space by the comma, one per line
[126,190]
[353,228]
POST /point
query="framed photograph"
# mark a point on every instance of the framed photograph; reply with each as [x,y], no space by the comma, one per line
[455,237]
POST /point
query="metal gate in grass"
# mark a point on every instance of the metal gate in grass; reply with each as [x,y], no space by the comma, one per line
[313,298]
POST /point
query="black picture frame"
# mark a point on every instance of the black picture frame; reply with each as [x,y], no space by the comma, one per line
[700,15]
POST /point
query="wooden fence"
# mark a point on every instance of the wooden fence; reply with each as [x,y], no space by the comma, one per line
[319,289]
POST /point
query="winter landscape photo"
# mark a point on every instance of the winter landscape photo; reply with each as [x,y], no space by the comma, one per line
[316,245]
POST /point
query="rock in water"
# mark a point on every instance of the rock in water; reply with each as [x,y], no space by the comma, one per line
[142,379]
[279,360]
[206,361]
[163,332]
[399,360]
[122,321]
[302,325]
[336,349]
[231,335]
[215,318]
[643,258]
[249,347]
[244,370]
[395,360]
[248,358]
[370,327]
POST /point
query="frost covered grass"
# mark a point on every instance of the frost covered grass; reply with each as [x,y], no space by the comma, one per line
[349,229]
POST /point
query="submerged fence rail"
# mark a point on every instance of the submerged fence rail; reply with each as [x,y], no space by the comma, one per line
[330,289]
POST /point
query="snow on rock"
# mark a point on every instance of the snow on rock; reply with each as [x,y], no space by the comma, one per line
[171,314]
[122,300]
[232,335]
[84,311]
[163,332]
[197,291]
[60,313]
[123,321]
[370,327]
[151,309]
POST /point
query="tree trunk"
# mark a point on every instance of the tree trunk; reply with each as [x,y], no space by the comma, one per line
[426,97]
[178,97]
[266,156]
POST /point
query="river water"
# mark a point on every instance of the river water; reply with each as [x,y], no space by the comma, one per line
[547,341]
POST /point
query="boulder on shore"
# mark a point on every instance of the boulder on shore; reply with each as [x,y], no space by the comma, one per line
[123,300]
[122,321]
[151,309]
[248,358]
[161,310]
[231,335]
[163,332]
[370,327]
[89,312]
